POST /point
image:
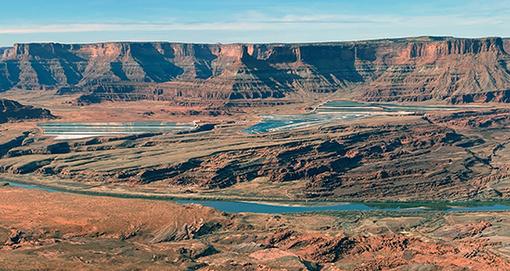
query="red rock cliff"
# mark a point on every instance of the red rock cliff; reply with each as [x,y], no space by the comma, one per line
[458,70]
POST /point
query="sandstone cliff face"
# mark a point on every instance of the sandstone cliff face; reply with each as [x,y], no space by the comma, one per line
[400,69]
[456,70]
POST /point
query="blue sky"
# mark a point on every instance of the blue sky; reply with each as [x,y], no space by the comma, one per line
[247,21]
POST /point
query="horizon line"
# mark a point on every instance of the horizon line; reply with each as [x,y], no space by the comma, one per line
[255,43]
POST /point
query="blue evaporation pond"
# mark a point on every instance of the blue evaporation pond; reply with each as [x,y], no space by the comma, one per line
[284,122]
[274,123]
[340,110]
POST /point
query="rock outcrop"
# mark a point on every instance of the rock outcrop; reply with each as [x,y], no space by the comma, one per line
[438,155]
[414,69]
[11,110]
[103,233]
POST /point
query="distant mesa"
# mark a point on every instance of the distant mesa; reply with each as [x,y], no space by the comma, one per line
[456,70]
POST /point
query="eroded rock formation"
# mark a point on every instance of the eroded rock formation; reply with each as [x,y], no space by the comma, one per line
[11,110]
[415,69]
[91,233]
[443,155]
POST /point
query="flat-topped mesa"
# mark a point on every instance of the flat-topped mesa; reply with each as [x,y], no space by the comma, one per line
[456,47]
[38,51]
[400,69]
[429,52]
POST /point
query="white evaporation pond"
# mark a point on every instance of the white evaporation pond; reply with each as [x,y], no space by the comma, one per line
[75,130]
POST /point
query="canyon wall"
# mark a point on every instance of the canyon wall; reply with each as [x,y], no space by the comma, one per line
[413,69]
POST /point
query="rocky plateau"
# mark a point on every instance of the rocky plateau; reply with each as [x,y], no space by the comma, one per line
[455,70]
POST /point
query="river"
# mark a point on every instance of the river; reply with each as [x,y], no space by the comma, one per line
[236,206]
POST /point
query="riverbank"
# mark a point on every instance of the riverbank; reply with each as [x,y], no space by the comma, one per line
[42,230]
[281,206]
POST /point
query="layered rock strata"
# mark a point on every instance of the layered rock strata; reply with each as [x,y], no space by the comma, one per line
[414,69]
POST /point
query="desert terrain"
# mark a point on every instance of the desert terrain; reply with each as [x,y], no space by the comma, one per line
[445,155]
[97,233]
[448,156]
[99,142]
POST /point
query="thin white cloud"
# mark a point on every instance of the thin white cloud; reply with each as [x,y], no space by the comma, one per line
[248,23]
[256,21]
[105,27]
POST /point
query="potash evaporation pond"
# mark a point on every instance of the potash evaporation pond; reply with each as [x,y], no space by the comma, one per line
[70,130]
[340,111]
